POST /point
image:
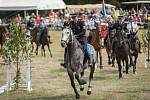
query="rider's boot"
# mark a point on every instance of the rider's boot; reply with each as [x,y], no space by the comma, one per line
[90,61]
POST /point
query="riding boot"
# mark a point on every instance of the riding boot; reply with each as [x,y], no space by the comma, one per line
[90,61]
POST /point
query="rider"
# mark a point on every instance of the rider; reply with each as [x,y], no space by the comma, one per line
[133,29]
[78,28]
[40,29]
[119,26]
[30,25]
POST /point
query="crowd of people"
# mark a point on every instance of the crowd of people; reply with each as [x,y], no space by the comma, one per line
[56,19]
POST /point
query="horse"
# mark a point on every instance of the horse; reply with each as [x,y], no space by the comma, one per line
[44,40]
[76,61]
[134,42]
[134,46]
[95,39]
[122,52]
[108,45]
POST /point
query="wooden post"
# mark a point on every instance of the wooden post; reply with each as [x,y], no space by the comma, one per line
[37,12]
[28,75]
[137,8]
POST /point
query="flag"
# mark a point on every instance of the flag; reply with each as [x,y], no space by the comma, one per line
[103,9]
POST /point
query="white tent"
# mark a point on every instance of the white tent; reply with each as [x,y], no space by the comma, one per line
[89,6]
[10,5]
[135,2]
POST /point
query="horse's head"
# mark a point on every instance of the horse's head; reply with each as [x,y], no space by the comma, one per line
[67,36]
[99,29]
[120,38]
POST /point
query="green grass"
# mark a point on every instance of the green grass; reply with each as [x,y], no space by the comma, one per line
[51,82]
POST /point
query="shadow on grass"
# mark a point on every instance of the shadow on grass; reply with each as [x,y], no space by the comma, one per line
[62,97]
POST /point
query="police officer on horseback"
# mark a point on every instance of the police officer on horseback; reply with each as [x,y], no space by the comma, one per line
[78,27]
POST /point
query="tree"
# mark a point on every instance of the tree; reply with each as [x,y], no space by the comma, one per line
[17,49]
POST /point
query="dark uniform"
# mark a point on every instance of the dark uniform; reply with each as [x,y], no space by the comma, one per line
[120,28]
[30,24]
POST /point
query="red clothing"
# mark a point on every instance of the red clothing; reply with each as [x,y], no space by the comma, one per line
[104,29]
[38,20]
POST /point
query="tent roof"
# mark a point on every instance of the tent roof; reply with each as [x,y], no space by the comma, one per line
[88,6]
[132,2]
[31,4]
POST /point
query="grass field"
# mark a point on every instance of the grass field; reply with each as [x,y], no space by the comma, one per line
[51,82]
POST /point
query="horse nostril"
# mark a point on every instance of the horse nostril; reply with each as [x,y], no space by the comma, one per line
[63,44]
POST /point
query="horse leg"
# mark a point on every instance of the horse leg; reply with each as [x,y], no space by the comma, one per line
[123,65]
[32,46]
[49,50]
[113,60]
[109,55]
[80,81]
[92,69]
[43,50]
[127,67]
[100,58]
[71,76]
[97,57]
[36,52]
[119,68]
[134,69]
[82,86]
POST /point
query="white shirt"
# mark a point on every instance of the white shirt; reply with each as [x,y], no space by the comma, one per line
[92,24]
[132,26]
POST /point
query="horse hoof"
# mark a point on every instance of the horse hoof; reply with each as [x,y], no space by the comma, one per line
[127,72]
[77,96]
[81,88]
[120,77]
[109,63]
[101,67]
[89,92]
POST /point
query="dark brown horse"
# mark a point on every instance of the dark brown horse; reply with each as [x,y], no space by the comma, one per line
[108,44]
[95,39]
[134,46]
[122,52]
[44,40]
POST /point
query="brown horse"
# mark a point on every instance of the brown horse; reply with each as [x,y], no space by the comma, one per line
[44,40]
[95,39]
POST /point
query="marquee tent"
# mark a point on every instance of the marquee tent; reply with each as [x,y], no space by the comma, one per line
[12,5]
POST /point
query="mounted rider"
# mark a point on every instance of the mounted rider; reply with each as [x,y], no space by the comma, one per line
[30,25]
[120,27]
[78,27]
[132,31]
[41,28]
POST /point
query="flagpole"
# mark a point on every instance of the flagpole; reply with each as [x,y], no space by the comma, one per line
[104,8]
